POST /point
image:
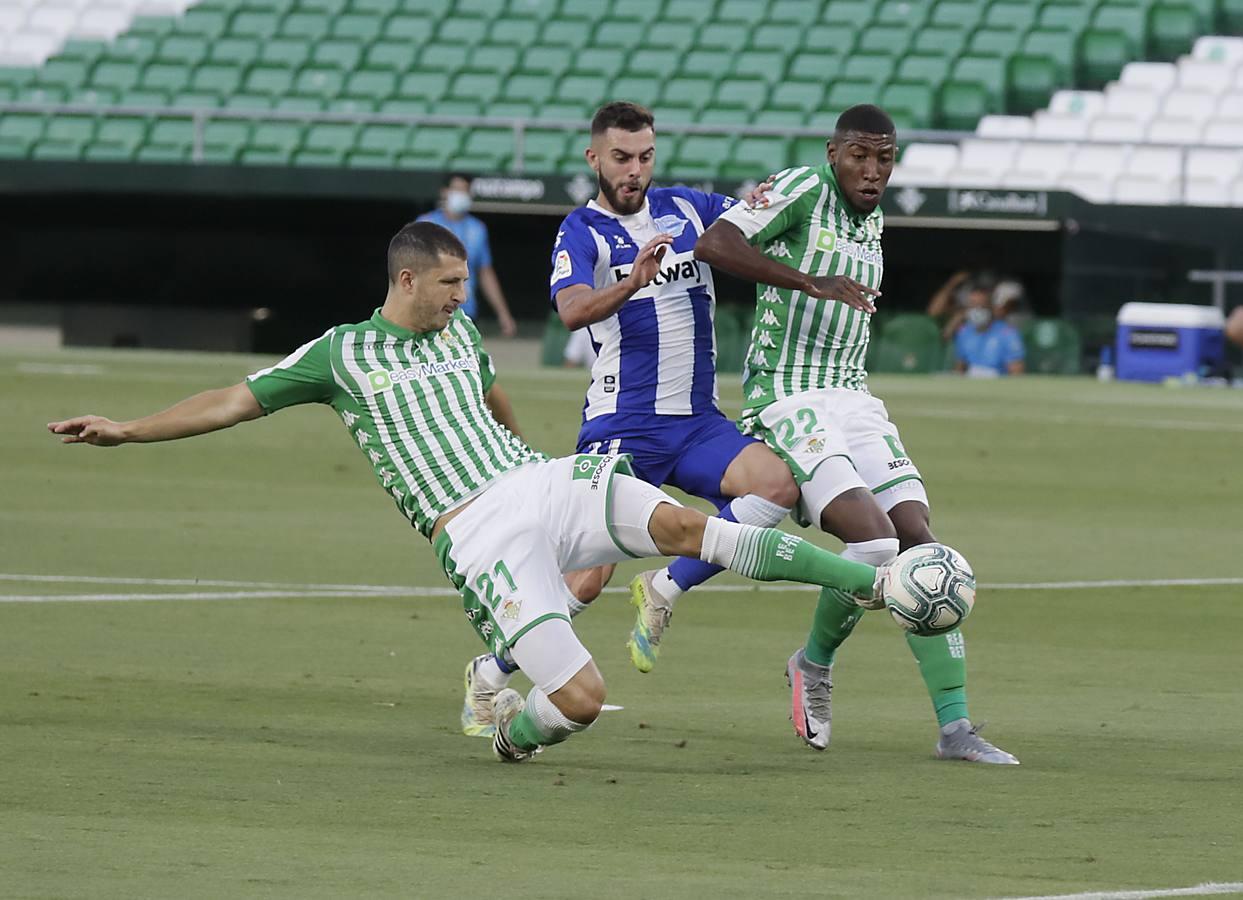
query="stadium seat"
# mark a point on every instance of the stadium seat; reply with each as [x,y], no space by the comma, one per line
[369,84]
[754,156]
[288,53]
[748,95]
[1092,170]
[546,60]
[1053,347]
[169,140]
[701,155]
[983,163]
[432,146]
[224,140]
[1102,54]
[273,144]
[18,133]
[801,96]
[117,138]
[1038,166]
[1203,75]
[1004,127]
[326,144]
[543,149]
[910,344]
[378,145]
[556,336]
[911,104]
[1172,28]
[926,164]
[1155,77]
[1210,173]
[486,150]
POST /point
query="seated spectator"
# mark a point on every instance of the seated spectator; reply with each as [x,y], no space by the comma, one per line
[984,345]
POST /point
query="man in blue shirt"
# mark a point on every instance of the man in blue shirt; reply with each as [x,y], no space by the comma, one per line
[454,213]
[985,346]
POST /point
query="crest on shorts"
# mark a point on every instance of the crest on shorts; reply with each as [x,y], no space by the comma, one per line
[511,609]
[585,466]
[815,445]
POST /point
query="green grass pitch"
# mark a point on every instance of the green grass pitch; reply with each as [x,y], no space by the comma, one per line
[305,743]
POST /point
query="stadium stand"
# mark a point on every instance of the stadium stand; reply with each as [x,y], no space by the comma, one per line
[300,78]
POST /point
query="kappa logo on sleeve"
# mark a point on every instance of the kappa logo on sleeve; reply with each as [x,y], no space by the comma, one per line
[562,267]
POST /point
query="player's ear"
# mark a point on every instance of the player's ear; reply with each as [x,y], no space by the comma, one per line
[592,159]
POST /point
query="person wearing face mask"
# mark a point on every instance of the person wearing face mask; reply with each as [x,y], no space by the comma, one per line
[985,346]
[453,213]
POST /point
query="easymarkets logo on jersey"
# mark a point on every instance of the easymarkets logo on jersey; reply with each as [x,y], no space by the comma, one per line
[380,380]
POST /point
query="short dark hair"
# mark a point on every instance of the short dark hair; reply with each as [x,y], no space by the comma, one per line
[865,119]
[621,114]
[454,176]
[421,243]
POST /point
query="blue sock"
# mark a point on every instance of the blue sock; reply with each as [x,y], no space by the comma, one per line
[687,572]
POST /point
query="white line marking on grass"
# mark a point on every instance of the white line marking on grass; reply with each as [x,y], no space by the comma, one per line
[1199,890]
[262,590]
[36,368]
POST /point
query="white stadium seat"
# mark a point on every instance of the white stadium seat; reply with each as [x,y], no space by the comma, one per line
[52,19]
[1004,127]
[1145,190]
[1236,193]
[1055,126]
[102,23]
[1237,84]
[1228,50]
[1038,165]
[1209,175]
[1126,102]
[29,48]
[1115,130]
[926,164]
[1096,188]
[1182,117]
[1080,104]
[1155,162]
[1203,75]
[1230,106]
[1153,77]
[982,163]
[1175,131]
[11,19]
[1224,133]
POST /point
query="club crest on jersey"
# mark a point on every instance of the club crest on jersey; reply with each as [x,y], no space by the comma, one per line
[670,225]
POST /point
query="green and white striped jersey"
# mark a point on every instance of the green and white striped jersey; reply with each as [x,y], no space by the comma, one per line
[414,404]
[799,343]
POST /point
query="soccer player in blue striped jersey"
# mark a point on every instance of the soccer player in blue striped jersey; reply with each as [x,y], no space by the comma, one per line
[653,392]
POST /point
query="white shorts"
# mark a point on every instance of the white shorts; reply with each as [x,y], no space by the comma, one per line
[811,427]
[506,552]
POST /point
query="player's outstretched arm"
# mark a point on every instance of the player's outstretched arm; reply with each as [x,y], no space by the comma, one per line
[724,247]
[208,411]
[579,306]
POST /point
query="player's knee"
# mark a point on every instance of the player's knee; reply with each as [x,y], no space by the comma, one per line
[677,530]
[854,516]
[776,485]
[587,584]
[582,698]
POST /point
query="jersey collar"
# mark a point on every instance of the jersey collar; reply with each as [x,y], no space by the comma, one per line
[397,331]
[645,210]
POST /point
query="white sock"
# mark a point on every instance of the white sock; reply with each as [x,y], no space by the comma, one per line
[752,509]
[949,727]
[874,553]
[576,606]
[663,584]
[554,726]
[720,543]
[490,676]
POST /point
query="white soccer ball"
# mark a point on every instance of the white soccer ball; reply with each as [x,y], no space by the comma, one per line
[929,589]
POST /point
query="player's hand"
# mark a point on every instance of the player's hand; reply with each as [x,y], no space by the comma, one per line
[755,198]
[647,263]
[89,430]
[843,289]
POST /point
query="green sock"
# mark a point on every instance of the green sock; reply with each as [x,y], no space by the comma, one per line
[767,554]
[836,616]
[526,733]
[943,666]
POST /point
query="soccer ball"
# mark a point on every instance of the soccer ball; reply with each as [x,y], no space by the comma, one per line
[929,589]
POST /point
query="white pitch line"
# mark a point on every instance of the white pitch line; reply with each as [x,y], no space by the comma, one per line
[199,582]
[214,595]
[1199,890]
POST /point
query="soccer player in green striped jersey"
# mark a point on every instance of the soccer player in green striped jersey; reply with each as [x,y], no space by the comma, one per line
[813,248]
[418,395]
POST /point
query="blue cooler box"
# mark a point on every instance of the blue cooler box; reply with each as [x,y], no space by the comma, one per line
[1159,340]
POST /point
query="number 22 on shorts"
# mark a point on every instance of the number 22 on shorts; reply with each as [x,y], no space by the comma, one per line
[788,433]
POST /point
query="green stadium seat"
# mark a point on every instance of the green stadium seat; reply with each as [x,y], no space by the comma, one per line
[754,156]
[336,7]
[546,60]
[692,12]
[911,103]
[19,131]
[195,100]
[411,28]
[519,33]
[1231,16]
[255,23]
[697,62]
[217,80]
[391,56]
[509,109]
[249,101]
[599,62]
[901,12]
[43,95]
[741,13]
[939,41]
[844,93]
[272,144]
[352,105]
[537,89]
[224,140]
[779,117]
[474,86]
[484,9]
[164,77]
[403,106]
[910,344]
[746,94]
[1102,54]
[201,20]
[685,93]
[669,37]
[802,96]
[65,137]
[701,155]
[339,54]
[1010,15]
[987,71]
[458,107]
[1072,17]
[721,37]
[118,76]
[585,10]
[776,39]
[79,50]
[619,33]
[288,53]
[536,10]
[370,84]
[465,30]
[1032,79]
[380,144]
[149,27]
[848,12]
[1053,346]
[426,86]
[1129,18]
[567,33]
[433,145]
[1172,28]
[794,12]
[819,67]
[870,68]
[447,58]
[144,97]
[931,70]
[67,74]
[326,144]
[357,27]
[759,64]
[887,40]
[117,139]
[955,13]
[497,60]
[576,88]
[318,81]
[168,139]
[994,42]
[639,89]
[268,81]
[486,150]
[552,345]
[565,111]
[1057,46]
[237,50]
[182,49]
[543,149]
[836,39]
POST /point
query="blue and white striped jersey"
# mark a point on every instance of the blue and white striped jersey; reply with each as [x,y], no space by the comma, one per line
[657,354]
